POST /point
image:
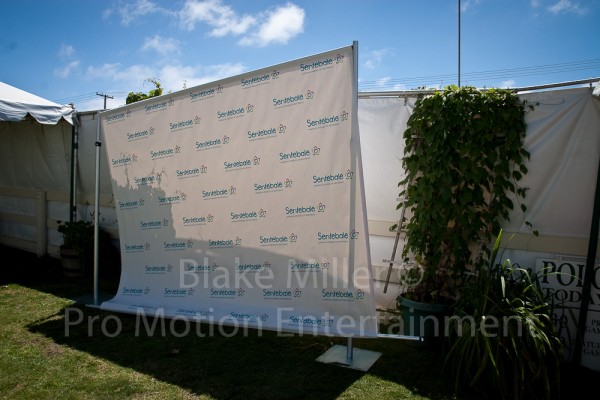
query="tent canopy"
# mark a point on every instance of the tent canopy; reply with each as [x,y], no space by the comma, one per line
[16,104]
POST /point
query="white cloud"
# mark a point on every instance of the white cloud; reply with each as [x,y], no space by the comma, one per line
[465,5]
[66,55]
[399,86]
[174,77]
[375,57]
[222,18]
[382,82]
[130,11]
[567,6]
[66,70]
[171,77]
[279,26]
[163,46]
[66,52]
[115,72]
[508,84]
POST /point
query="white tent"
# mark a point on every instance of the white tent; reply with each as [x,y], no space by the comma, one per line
[35,160]
[17,104]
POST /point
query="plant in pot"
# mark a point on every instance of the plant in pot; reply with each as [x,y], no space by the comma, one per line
[463,159]
[78,242]
[503,339]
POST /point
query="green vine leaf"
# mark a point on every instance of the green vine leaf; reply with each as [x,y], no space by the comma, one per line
[464,159]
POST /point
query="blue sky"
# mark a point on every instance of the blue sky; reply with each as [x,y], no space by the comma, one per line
[69,50]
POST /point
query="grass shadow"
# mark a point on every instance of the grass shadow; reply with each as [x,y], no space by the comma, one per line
[223,363]
[230,363]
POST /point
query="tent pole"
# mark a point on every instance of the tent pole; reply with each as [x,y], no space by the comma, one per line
[74,156]
[589,273]
[97,211]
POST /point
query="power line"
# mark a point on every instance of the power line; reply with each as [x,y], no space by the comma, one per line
[424,81]
[84,97]
[486,75]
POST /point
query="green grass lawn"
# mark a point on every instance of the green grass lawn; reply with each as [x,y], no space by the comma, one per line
[38,360]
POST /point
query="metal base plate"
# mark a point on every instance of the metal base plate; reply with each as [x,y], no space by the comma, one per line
[361,360]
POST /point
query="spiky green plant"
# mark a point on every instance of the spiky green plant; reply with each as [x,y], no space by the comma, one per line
[503,341]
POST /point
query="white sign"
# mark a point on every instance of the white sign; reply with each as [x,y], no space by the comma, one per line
[562,281]
[240,202]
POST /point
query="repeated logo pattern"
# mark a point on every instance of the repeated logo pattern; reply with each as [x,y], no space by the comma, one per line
[236,196]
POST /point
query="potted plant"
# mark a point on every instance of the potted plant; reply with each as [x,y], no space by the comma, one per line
[503,341]
[463,159]
[78,241]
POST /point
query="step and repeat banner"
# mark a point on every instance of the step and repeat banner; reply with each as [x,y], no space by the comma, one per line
[241,202]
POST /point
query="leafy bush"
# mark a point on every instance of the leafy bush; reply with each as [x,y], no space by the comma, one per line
[464,156]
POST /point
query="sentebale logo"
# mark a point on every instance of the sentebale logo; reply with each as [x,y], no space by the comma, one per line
[231,113]
[202,94]
[176,245]
[130,204]
[236,165]
[262,133]
[243,216]
[318,65]
[124,159]
[322,122]
[255,80]
[223,293]
[117,117]
[164,152]
[174,199]
[268,187]
[209,144]
[135,291]
[153,224]
[294,155]
[196,220]
[188,172]
[158,269]
[300,211]
[221,243]
[333,237]
[136,247]
[310,321]
[278,294]
[141,134]
[159,106]
[177,292]
[146,180]
[183,124]
[304,265]
[217,193]
[328,179]
[337,295]
[287,101]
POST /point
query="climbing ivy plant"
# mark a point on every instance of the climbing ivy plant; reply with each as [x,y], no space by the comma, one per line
[464,157]
[133,97]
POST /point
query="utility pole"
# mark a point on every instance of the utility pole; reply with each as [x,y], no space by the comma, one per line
[105,96]
[458,43]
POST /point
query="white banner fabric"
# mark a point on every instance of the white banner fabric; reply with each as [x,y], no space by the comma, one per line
[241,202]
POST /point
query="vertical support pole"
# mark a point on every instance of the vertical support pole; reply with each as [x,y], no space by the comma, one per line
[97,211]
[589,272]
[349,351]
[458,43]
[41,228]
[354,148]
[74,158]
